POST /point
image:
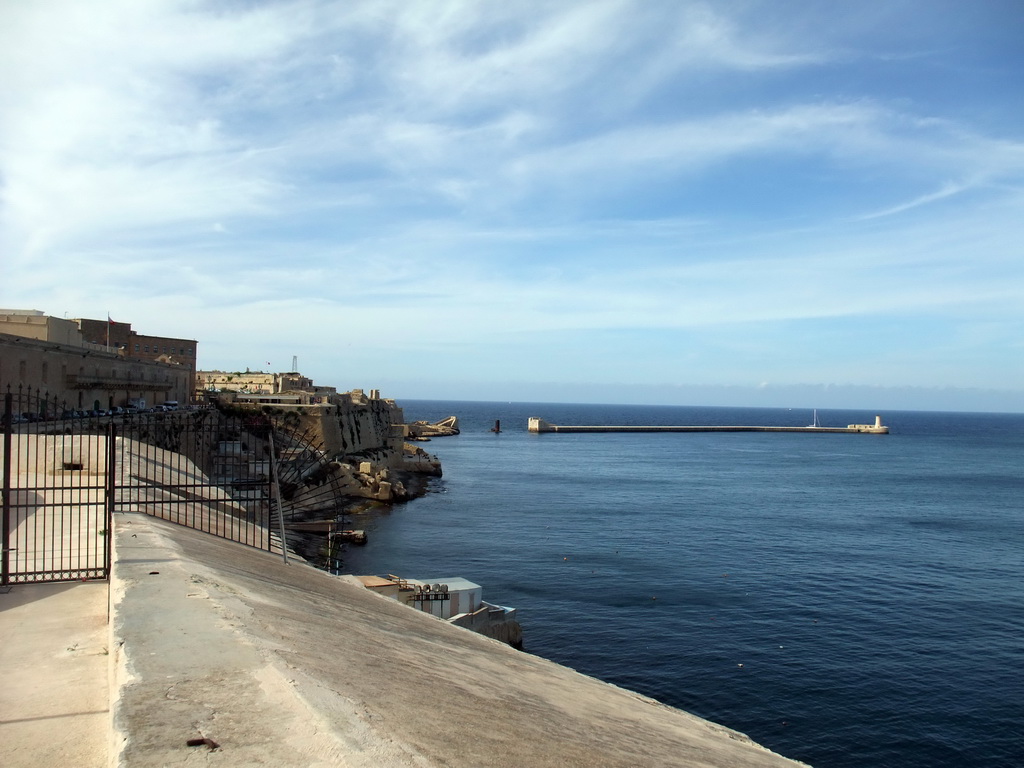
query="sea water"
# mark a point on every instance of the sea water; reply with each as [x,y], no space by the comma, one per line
[843,599]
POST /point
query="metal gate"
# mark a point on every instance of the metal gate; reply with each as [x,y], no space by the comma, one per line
[56,516]
[242,476]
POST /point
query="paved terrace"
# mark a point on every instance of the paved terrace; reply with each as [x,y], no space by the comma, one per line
[54,693]
[221,654]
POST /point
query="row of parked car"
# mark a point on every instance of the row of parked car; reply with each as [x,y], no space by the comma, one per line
[28,417]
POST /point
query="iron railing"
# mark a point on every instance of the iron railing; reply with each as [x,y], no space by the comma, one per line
[242,475]
[202,469]
[55,495]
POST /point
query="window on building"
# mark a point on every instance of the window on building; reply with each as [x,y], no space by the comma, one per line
[172,350]
[146,348]
[136,347]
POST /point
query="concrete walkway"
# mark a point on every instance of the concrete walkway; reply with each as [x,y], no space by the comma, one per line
[54,672]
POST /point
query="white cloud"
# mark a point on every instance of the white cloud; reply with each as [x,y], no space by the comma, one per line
[105,130]
[947,190]
[464,173]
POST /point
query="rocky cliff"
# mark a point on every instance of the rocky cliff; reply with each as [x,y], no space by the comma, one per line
[361,450]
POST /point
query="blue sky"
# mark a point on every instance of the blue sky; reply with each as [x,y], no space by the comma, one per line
[732,203]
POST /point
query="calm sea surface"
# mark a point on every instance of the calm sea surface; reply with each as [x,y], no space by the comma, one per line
[845,600]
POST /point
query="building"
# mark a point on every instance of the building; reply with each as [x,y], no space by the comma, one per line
[119,337]
[254,386]
[51,356]
[455,600]
[250,382]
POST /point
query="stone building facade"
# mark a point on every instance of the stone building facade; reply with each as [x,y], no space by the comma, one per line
[119,337]
[253,382]
[50,355]
[256,383]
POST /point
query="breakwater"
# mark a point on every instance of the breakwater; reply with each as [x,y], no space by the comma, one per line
[538,425]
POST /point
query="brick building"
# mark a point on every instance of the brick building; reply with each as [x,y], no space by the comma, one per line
[52,355]
[133,345]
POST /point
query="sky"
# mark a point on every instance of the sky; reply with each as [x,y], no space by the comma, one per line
[786,203]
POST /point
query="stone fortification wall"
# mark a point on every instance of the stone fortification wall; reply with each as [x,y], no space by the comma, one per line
[362,438]
[365,435]
[361,424]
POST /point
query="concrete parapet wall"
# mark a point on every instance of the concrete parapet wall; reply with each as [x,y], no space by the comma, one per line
[59,455]
[286,665]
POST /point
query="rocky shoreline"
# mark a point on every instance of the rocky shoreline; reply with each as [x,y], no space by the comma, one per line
[355,454]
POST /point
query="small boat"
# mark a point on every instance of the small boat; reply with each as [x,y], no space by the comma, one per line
[814,424]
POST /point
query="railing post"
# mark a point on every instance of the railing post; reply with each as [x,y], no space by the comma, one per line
[111,494]
[5,543]
[277,494]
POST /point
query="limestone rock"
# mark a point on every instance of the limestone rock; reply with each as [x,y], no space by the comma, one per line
[423,430]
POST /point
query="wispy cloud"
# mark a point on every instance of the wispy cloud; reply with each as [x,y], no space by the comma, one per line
[452,175]
[948,189]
